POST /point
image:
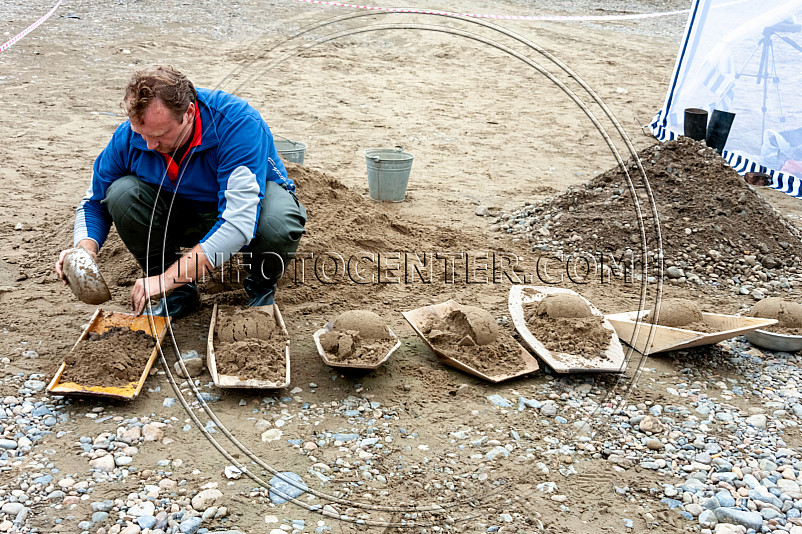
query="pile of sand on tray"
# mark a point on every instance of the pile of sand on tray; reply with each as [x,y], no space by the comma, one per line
[250,345]
[471,336]
[565,323]
[680,313]
[114,358]
[357,337]
[787,313]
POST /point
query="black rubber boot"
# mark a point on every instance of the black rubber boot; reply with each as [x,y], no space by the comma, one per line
[260,290]
[181,302]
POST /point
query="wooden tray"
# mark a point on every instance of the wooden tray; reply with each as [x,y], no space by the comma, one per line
[100,322]
[233,381]
[635,332]
[333,363]
[563,362]
[416,319]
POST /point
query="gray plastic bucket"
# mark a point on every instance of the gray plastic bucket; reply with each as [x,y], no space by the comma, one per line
[292,151]
[388,173]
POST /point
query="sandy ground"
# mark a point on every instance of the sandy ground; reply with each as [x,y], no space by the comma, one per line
[486,128]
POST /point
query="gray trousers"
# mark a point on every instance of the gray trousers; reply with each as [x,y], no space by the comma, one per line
[155,225]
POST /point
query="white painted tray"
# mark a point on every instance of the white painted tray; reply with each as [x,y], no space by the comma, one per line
[562,362]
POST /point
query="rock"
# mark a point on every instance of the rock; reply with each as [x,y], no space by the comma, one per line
[193,363]
[12,508]
[146,521]
[286,485]
[651,424]
[482,211]
[205,499]
[8,444]
[190,525]
[654,445]
[103,464]
[749,520]
[758,420]
[99,517]
[153,431]
[143,508]
[694,509]
[497,451]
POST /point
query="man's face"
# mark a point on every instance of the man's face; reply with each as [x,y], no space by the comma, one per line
[161,130]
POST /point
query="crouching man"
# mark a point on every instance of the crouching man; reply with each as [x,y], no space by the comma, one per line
[190,168]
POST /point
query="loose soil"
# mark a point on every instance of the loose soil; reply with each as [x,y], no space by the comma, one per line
[358,337]
[787,313]
[250,345]
[600,214]
[680,313]
[116,357]
[451,336]
[564,323]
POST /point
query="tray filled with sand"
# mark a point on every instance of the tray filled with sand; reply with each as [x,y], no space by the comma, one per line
[680,325]
[357,339]
[468,338]
[112,357]
[565,330]
[248,348]
[784,336]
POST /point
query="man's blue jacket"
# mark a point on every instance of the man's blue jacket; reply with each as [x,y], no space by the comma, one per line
[231,157]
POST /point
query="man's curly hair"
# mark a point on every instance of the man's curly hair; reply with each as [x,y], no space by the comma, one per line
[160,82]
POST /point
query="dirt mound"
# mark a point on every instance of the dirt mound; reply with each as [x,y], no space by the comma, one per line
[708,216]
[250,323]
[358,337]
[250,345]
[787,313]
[565,305]
[448,335]
[676,313]
[366,323]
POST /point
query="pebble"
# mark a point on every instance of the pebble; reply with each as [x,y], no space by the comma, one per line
[289,484]
[206,498]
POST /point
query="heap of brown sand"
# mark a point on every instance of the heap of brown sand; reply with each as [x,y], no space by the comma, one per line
[115,358]
[787,313]
[565,323]
[471,336]
[680,313]
[357,337]
[250,345]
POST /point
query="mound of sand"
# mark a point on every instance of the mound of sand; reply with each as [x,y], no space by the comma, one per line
[676,313]
[358,337]
[473,322]
[788,314]
[565,305]
[366,323]
[250,323]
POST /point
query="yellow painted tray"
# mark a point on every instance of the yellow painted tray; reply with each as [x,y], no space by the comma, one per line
[416,319]
[100,322]
[647,338]
[333,363]
[233,381]
[562,362]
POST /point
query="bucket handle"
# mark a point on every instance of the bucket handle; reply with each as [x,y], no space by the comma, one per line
[290,140]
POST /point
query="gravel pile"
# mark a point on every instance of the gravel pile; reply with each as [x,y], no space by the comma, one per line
[715,228]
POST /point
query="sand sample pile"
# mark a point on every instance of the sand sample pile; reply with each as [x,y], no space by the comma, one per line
[565,323]
[680,313]
[357,337]
[114,358]
[787,313]
[471,336]
[250,345]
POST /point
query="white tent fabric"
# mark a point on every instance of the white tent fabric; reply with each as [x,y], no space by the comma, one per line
[744,57]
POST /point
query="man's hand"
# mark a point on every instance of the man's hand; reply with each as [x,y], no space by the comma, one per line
[87,244]
[146,288]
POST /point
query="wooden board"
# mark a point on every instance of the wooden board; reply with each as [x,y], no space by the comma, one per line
[416,318]
[563,362]
[647,338]
[333,363]
[232,381]
[100,322]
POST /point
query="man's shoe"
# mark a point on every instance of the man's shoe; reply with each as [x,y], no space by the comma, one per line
[260,291]
[180,303]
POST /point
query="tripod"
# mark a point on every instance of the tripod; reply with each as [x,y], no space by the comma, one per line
[767,68]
